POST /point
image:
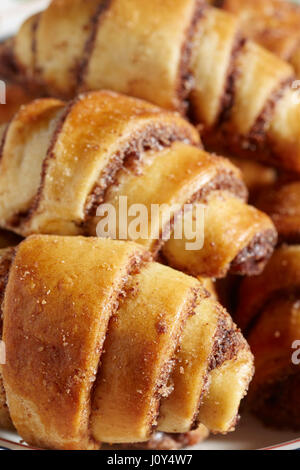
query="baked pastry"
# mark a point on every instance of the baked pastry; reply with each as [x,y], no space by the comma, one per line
[71,158]
[92,329]
[269,312]
[173,55]
[275,24]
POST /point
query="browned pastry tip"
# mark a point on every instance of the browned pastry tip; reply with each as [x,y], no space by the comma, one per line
[102,147]
[270,308]
[93,327]
[231,241]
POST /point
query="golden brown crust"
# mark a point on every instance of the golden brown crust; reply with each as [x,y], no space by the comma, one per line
[6,257]
[232,240]
[272,23]
[56,369]
[190,376]
[51,276]
[236,89]
[273,318]
[214,44]
[142,153]
[122,19]
[16,95]
[162,441]
[58,64]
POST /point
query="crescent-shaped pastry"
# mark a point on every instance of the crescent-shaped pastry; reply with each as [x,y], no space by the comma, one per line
[184,56]
[105,345]
[103,148]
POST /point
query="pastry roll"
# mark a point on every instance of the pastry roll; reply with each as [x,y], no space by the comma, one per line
[269,310]
[105,345]
[188,57]
[272,23]
[103,148]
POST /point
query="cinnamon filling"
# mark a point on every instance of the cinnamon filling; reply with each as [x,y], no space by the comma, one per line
[227,344]
[129,157]
[227,101]
[251,259]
